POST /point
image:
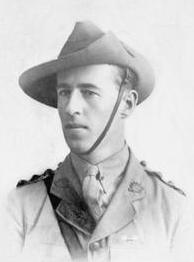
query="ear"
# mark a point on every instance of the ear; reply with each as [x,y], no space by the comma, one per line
[129,102]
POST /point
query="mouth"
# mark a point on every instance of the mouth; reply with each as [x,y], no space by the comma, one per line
[75,126]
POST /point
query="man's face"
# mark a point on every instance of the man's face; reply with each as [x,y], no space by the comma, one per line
[86,97]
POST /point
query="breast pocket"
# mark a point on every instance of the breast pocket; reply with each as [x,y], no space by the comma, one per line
[134,249]
[126,248]
[45,253]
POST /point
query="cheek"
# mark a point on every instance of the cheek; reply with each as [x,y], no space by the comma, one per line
[61,106]
[61,112]
[60,102]
[106,107]
[100,116]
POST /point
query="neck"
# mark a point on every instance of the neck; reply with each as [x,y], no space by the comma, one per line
[101,153]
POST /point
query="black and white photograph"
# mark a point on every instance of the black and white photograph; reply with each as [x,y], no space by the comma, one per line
[96,137]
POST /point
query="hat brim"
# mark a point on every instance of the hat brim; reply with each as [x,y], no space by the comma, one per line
[40,83]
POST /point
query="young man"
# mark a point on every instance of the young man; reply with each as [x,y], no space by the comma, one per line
[101,204]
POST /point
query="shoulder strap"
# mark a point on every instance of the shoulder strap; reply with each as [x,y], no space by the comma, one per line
[158,175]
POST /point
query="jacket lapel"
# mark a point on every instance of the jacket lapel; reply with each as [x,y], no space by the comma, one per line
[122,208]
[72,207]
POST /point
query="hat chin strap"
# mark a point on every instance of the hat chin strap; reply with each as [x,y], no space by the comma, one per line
[104,132]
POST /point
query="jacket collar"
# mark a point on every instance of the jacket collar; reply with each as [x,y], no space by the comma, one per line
[121,210]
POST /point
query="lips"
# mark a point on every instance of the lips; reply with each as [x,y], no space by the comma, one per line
[74,126]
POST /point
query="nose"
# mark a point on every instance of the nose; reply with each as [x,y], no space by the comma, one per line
[75,103]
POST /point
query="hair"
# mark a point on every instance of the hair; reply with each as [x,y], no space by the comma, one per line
[127,76]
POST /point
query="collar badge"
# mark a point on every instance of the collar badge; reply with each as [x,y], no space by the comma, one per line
[135,187]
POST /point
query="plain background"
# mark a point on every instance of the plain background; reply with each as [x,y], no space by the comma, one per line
[160,130]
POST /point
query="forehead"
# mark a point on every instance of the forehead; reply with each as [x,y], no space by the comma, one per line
[96,74]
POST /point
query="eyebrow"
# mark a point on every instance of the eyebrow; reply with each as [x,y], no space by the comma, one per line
[81,85]
[63,85]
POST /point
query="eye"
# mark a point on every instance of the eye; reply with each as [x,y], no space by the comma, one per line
[87,92]
[64,92]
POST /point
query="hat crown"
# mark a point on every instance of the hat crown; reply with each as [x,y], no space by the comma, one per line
[83,34]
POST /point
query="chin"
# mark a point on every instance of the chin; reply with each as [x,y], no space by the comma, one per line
[78,148]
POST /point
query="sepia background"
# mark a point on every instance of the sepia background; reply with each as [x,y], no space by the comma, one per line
[160,131]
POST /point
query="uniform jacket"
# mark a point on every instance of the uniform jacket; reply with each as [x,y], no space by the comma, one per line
[146,220]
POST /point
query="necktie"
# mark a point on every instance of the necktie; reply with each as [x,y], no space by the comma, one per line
[94,192]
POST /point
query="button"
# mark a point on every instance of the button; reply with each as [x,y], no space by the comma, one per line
[94,246]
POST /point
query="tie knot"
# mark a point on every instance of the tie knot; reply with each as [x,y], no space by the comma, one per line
[92,171]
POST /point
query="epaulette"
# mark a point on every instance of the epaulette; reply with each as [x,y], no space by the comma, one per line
[36,178]
[159,176]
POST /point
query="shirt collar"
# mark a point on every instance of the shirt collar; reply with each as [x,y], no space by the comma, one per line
[110,168]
